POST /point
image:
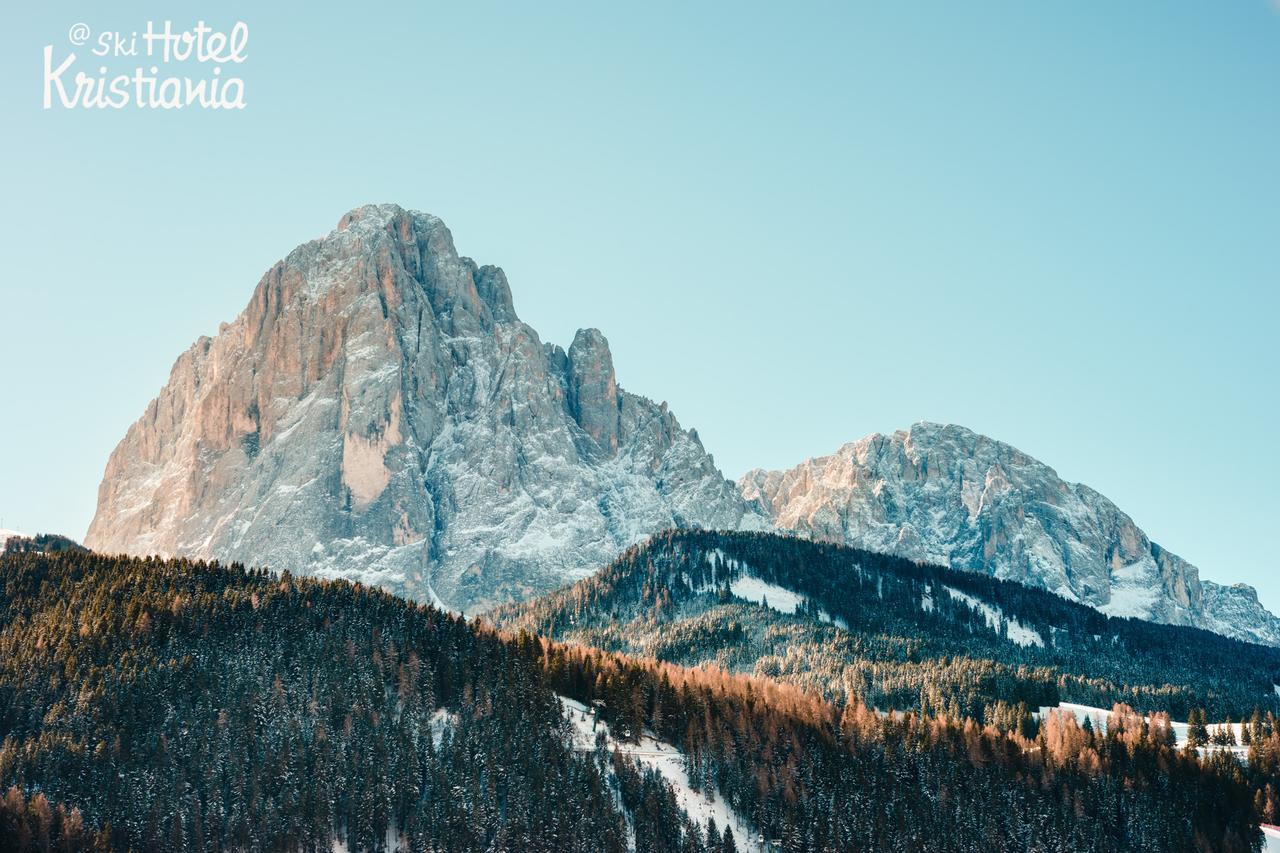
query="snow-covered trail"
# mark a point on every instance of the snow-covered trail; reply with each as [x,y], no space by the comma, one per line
[669,761]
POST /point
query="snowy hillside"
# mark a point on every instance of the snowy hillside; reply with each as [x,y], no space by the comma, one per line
[746,585]
[669,761]
[841,621]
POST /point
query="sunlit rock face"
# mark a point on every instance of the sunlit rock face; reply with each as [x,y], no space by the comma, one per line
[379,412]
[944,494]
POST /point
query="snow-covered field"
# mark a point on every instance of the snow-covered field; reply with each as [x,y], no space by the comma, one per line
[669,762]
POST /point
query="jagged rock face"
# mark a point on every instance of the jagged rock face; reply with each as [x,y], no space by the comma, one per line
[379,412]
[946,495]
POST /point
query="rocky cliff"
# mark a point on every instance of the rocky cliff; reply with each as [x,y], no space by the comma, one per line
[946,495]
[379,412]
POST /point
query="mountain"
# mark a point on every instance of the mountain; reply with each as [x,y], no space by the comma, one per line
[850,624]
[176,705]
[946,495]
[379,412]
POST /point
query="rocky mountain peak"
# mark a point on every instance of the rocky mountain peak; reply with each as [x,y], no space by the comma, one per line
[378,411]
[944,494]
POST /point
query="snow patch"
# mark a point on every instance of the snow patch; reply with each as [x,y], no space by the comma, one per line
[781,599]
[1018,633]
[926,599]
[769,594]
[759,591]
[442,721]
[392,843]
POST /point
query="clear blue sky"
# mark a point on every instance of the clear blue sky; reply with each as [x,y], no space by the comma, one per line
[1057,223]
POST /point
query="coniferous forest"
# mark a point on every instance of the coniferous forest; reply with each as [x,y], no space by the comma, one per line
[887,632]
[175,705]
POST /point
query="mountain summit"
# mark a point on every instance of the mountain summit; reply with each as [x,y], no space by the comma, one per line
[379,412]
[946,495]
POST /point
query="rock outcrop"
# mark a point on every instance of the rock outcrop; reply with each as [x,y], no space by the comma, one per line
[946,495]
[379,412]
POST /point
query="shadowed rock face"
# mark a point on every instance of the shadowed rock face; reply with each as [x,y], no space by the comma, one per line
[593,389]
[379,412]
[946,495]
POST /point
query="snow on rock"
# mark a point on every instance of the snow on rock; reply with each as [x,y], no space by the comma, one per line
[668,761]
[996,620]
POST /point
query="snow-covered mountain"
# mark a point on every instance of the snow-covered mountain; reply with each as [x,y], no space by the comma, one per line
[379,412]
[946,495]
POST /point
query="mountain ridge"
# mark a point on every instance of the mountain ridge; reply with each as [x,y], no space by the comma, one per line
[948,495]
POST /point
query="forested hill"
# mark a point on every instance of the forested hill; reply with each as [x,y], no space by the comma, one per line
[891,632]
[179,706]
[170,705]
